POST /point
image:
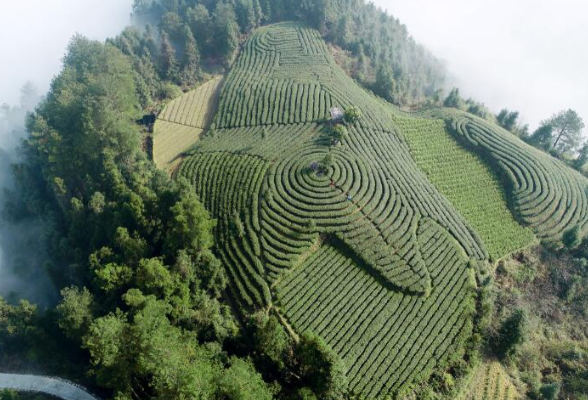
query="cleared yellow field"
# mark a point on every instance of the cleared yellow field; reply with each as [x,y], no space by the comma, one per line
[181,123]
[171,140]
[195,108]
[490,382]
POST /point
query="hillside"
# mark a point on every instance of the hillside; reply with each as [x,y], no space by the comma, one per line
[468,182]
[230,205]
[278,219]
[378,253]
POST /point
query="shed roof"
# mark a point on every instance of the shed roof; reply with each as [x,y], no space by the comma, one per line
[336,114]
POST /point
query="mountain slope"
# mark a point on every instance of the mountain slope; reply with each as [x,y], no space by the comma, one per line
[364,249]
[373,215]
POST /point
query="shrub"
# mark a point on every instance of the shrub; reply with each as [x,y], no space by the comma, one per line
[550,391]
[571,237]
[326,162]
[340,132]
[512,334]
[352,114]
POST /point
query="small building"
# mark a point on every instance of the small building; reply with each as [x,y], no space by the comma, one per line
[337,115]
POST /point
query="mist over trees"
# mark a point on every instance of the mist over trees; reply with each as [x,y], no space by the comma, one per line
[22,254]
[131,252]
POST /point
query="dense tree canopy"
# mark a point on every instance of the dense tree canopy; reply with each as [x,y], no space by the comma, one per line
[388,59]
[131,247]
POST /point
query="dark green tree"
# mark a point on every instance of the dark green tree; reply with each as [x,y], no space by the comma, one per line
[320,368]
[512,334]
[542,138]
[326,162]
[454,100]
[315,12]
[169,63]
[582,158]
[340,132]
[507,119]
[16,322]
[567,130]
[226,31]
[385,85]
[248,14]
[550,391]
[202,27]
[270,343]
[478,109]
[191,62]
[76,311]
[571,238]
[242,382]
[172,25]
[352,114]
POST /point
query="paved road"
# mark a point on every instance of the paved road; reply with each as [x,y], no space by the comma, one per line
[41,384]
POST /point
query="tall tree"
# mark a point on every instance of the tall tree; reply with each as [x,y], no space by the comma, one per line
[202,27]
[479,109]
[169,64]
[321,368]
[172,24]
[248,14]
[191,63]
[567,126]
[317,12]
[227,30]
[454,99]
[385,84]
[582,158]
[507,119]
[542,138]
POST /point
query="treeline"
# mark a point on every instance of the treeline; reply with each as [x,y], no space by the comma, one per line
[560,135]
[180,37]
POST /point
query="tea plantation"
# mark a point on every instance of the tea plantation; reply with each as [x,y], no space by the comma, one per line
[549,197]
[371,240]
[182,122]
[468,182]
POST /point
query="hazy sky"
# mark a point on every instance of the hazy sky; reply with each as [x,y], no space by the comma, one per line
[527,55]
[35,33]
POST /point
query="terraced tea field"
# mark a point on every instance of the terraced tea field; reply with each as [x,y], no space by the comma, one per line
[372,215]
[182,121]
[549,197]
[471,185]
[370,246]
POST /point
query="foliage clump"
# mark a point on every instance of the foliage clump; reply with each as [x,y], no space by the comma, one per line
[352,114]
